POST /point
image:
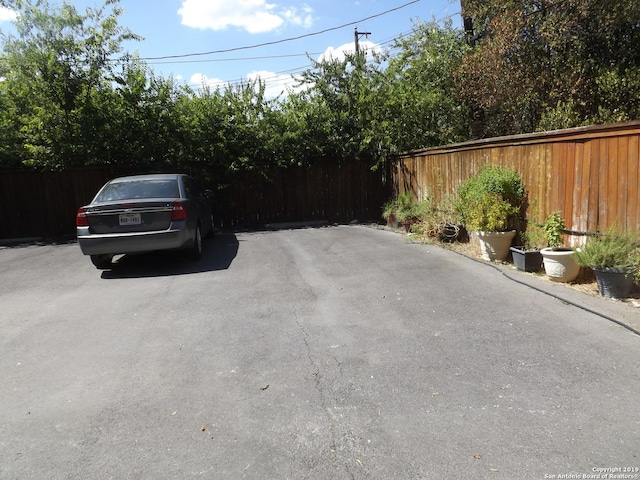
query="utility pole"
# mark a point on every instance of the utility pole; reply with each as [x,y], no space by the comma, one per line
[357,36]
[468,24]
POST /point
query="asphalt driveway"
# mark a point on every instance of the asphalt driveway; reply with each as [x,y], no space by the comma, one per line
[328,353]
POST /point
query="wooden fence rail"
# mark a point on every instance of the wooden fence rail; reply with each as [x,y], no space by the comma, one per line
[590,174]
[44,204]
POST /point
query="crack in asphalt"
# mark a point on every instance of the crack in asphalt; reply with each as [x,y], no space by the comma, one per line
[319,385]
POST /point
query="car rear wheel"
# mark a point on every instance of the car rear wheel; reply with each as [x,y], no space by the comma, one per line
[196,250]
[102,262]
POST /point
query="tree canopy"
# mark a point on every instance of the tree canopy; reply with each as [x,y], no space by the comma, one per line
[70,94]
[549,64]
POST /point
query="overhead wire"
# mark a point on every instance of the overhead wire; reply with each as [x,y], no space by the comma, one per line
[292,71]
[284,40]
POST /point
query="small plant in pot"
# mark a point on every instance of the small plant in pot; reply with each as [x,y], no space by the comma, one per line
[559,262]
[490,204]
[402,210]
[527,257]
[614,258]
[394,211]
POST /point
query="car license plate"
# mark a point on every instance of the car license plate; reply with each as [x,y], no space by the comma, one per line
[130,219]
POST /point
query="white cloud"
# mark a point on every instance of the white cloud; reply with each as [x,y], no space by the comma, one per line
[6,14]
[303,18]
[200,80]
[339,53]
[276,84]
[254,16]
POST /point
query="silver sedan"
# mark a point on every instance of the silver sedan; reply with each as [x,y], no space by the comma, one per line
[145,213]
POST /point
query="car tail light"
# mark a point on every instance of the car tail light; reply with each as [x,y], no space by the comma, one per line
[81,218]
[178,212]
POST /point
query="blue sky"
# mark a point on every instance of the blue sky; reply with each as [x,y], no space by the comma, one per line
[186,27]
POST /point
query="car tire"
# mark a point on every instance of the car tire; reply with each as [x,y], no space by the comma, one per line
[102,262]
[212,232]
[195,252]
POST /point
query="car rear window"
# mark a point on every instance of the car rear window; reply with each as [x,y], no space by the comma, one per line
[131,189]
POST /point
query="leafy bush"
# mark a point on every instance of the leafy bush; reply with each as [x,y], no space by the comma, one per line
[489,213]
[405,209]
[615,250]
[399,204]
[553,229]
[534,237]
[439,222]
[492,200]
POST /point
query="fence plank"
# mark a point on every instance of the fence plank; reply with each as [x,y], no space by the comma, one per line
[633,176]
[592,186]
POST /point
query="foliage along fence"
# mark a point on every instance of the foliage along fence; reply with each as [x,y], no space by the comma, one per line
[590,174]
[44,204]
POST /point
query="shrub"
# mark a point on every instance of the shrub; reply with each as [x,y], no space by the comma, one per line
[553,229]
[439,222]
[402,203]
[491,200]
[615,249]
[405,209]
[534,237]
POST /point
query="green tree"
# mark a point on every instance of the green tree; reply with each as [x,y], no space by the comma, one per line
[326,113]
[370,106]
[54,70]
[419,90]
[544,64]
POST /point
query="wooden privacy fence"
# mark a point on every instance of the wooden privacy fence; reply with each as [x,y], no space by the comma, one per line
[44,204]
[337,193]
[590,174]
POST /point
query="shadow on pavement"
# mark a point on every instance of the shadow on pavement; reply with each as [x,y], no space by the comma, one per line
[218,254]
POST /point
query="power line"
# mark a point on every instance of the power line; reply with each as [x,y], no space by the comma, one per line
[270,57]
[276,77]
[237,59]
[235,49]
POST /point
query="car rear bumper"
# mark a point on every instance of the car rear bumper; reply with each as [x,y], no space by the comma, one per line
[106,244]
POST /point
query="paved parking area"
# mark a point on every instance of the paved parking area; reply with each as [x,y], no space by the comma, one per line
[337,352]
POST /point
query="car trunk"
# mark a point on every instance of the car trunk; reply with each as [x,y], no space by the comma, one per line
[130,216]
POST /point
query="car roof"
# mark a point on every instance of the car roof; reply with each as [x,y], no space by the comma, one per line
[151,176]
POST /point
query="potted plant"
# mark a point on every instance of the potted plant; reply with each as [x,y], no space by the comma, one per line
[559,261]
[393,207]
[614,258]
[490,204]
[527,257]
[404,211]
